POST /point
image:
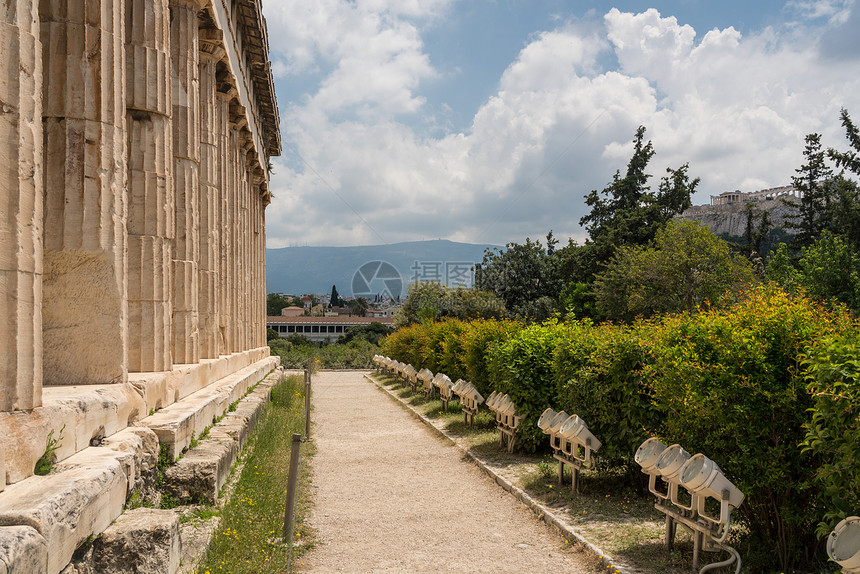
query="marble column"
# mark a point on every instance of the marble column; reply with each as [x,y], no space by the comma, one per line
[150,184]
[84,309]
[233,187]
[20,208]
[211,53]
[186,166]
[225,218]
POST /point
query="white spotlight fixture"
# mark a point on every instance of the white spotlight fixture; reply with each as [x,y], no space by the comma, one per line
[702,479]
[843,545]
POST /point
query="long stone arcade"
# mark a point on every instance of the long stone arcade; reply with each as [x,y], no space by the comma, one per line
[135,145]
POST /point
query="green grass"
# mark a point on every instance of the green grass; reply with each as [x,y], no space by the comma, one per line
[248,539]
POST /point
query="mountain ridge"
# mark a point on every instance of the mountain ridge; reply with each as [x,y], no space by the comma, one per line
[307,269]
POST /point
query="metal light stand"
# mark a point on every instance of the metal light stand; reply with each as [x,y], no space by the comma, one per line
[566,453]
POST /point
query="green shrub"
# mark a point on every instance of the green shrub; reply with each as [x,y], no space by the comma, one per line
[833,433]
[402,345]
[599,376]
[732,386]
[522,367]
[476,342]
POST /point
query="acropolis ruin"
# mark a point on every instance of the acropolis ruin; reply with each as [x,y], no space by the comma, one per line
[135,138]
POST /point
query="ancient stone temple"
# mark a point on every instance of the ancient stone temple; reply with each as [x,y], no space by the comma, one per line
[135,138]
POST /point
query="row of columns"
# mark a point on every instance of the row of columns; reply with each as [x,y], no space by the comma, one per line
[147,211]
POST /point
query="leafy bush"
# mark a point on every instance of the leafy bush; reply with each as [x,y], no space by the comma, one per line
[402,345]
[833,433]
[732,385]
[522,367]
[477,340]
[371,333]
[599,376]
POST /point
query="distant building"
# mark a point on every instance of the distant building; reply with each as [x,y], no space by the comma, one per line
[320,328]
[292,311]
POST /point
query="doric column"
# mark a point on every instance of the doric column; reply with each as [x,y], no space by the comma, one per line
[211,53]
[260,258]
[186,164]
[150,184]
[20,208]
[224,216]
[247,234]
[233,192]
[84,286]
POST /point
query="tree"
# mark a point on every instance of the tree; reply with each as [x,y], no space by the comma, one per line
[277,301]
[756,231]
[846,213]
[687,267]
[814,181]
[431,301]
[850,159]
[370,333]
[523,274]
[626,212]
[335,298]
[359,306]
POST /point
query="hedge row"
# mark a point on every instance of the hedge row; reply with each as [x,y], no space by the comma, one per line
[769,389]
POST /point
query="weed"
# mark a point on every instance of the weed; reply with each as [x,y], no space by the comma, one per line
[193,442]
[46,462]
[168,501]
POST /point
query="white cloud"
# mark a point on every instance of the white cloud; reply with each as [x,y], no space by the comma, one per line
[736,107]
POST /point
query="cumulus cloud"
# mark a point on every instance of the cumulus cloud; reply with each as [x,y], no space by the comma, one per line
[358,168]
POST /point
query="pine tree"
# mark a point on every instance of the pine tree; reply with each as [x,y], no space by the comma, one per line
[814,182]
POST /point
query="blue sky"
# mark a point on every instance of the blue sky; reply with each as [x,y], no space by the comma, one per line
[489,121]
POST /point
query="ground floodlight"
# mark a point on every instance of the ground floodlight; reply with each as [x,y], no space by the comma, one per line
[648,453]
[570,427]
[557,421]
[702,477]
[546,418]
[843,544]
[473,394]
[670,461]
[497,402]
[507,406]
[582,441]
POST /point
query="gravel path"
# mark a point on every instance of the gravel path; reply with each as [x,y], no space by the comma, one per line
[392,497]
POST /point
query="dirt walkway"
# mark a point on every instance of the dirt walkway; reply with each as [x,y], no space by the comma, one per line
[392,497]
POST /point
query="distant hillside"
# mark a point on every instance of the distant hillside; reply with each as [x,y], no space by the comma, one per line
[298,270]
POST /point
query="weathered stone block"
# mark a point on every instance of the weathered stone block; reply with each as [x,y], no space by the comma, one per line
[142,541]
[201,473]
[82,498]
[22,550]
[175,424]
[81,413]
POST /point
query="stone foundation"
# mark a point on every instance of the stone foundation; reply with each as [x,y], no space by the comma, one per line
[86,493]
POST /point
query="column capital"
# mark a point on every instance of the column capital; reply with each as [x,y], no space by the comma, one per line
[211,41]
